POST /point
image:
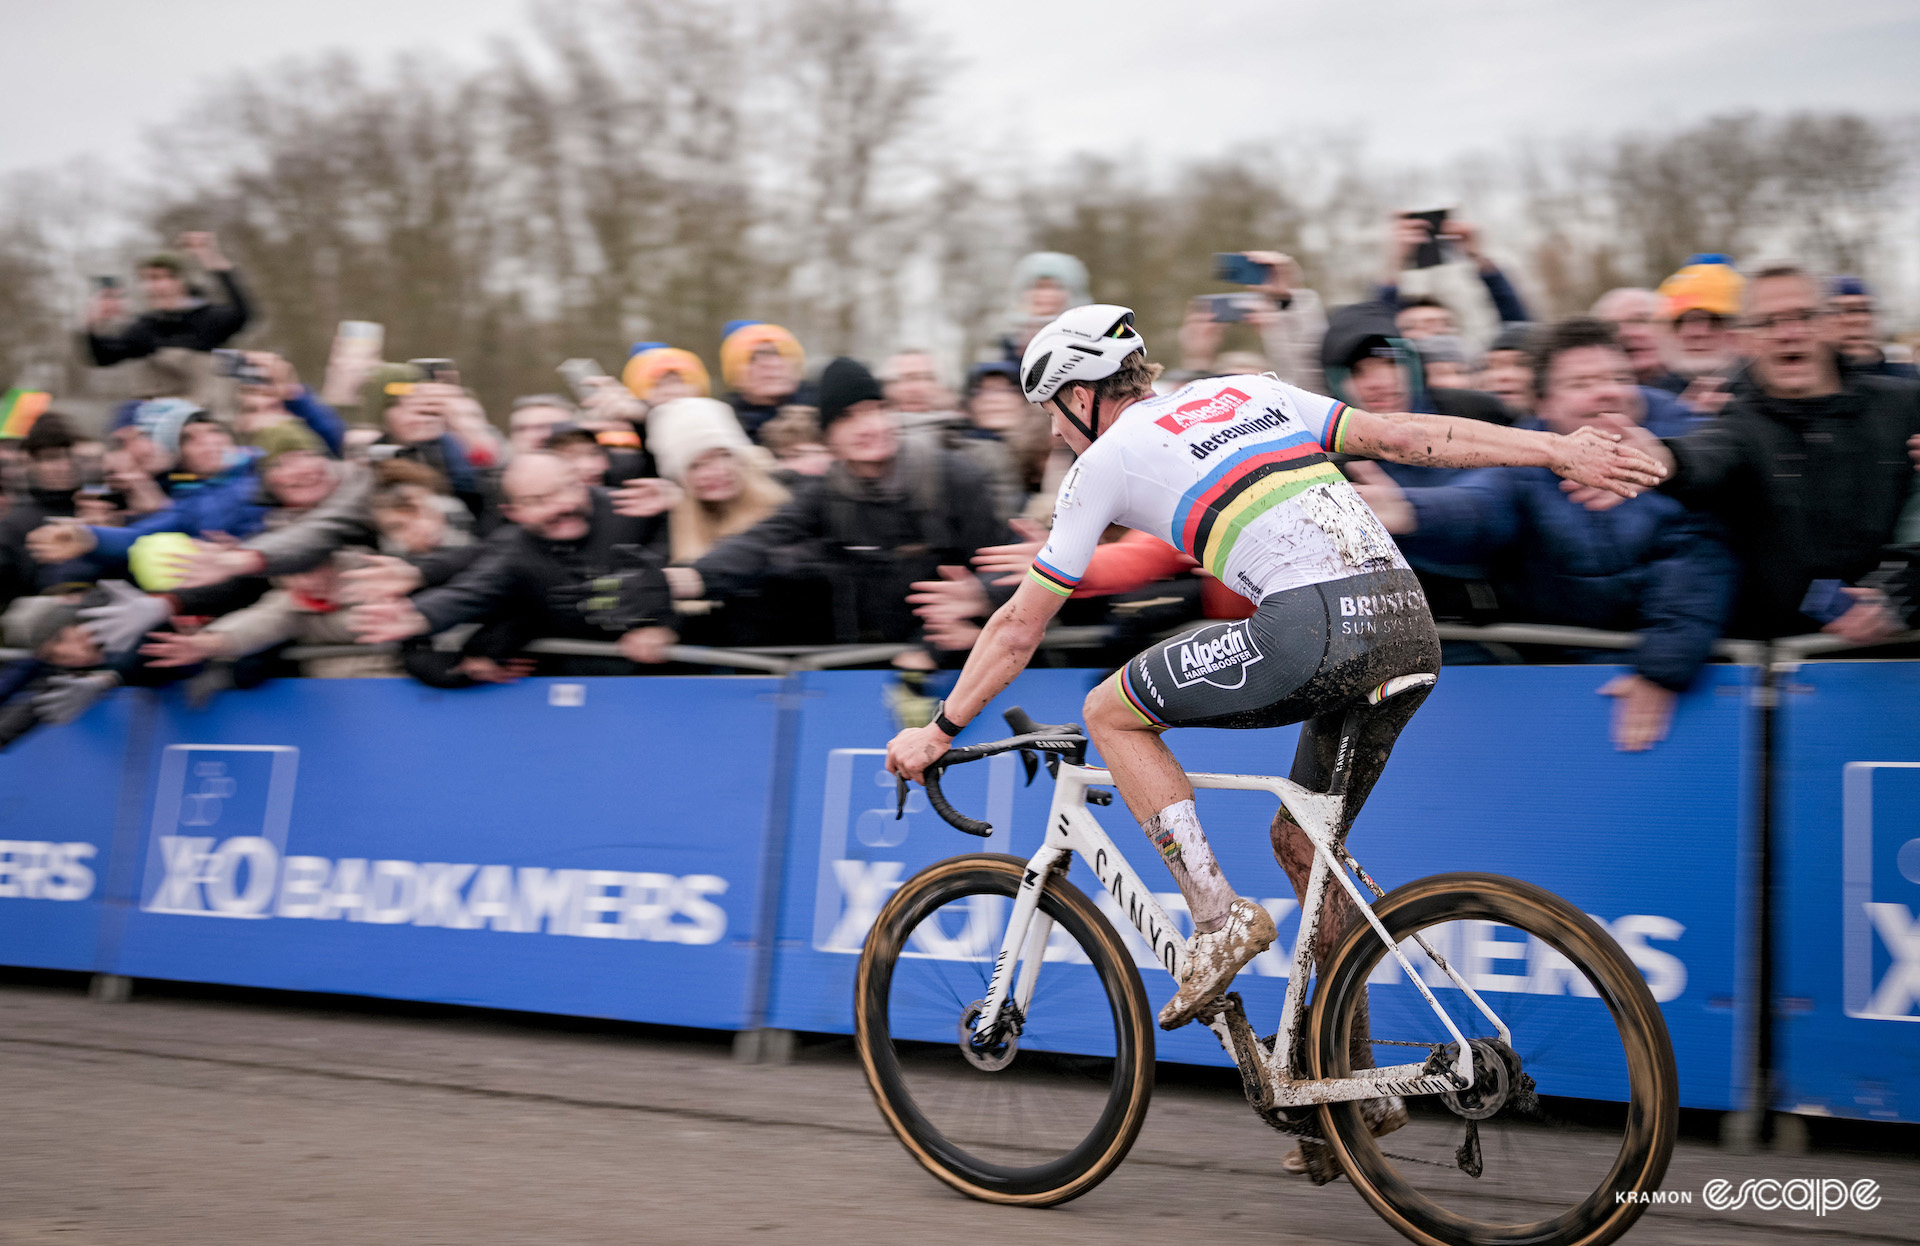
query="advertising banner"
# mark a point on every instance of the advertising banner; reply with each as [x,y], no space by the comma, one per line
[1847,869]
[587,847]
[60,791]
[1504,770]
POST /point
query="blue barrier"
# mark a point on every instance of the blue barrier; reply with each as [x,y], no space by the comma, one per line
[581,847]
[60,796]
[1505,770]
[1847,907]
[595,847]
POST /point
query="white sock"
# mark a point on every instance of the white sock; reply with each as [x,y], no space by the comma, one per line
[1176,832]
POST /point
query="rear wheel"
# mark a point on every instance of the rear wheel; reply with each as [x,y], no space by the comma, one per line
[1041,1111]
[1561,1132]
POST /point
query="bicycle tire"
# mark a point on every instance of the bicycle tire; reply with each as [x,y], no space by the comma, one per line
[1651,1117]
[1096,1155]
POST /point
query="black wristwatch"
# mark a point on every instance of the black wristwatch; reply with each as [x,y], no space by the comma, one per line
[946,724]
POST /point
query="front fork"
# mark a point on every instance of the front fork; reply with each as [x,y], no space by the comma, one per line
[1028,932]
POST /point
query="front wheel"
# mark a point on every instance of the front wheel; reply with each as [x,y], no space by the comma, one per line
[1042,1110]
[1564,1133]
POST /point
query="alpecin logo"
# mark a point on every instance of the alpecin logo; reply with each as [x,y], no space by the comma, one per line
[1218,654]
[1203,411]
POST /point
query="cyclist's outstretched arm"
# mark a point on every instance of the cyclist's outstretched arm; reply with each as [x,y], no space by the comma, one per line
[1002,652]
[1589,456]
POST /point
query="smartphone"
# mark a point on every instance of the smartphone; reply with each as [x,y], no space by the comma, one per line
[103,493]
[578,372]
[1224,308]
[1824,601]
[1432,253]
[441,370]
[1237,268]
[106,281]
[234,364]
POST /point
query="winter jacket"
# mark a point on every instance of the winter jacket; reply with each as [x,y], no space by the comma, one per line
[1809,489]
[20,575]
[868,539]
[199,326]
[597,588]
[228,502]
[299,540]
[1648,565]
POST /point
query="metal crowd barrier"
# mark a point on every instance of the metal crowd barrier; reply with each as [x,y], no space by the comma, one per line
[786,659]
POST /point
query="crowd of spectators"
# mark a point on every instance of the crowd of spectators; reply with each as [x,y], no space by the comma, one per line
[229,526]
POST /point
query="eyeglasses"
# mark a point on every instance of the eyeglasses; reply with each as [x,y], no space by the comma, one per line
[1780,320]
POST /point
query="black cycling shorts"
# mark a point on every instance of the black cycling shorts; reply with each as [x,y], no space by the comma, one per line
[1307,655]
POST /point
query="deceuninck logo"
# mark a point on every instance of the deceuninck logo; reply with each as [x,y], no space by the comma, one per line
[1217,654]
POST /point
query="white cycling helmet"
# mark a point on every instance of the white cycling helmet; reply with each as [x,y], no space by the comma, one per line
[1085,344]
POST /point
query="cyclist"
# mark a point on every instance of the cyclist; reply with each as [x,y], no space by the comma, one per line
[1235,471]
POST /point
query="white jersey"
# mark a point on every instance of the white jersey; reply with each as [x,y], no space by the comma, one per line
[1232,471]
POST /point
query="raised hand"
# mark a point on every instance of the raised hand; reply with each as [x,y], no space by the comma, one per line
[59,541]
[955,597]
[174,649]
[385,622]
[1387,500]
[380,578]
[1009,563]
[117,624]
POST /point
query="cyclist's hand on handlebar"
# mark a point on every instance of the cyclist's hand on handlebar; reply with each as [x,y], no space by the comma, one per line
[913,750]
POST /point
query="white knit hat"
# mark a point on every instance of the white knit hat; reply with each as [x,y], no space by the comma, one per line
[680,431]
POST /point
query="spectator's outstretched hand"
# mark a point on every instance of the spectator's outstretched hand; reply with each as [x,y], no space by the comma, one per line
[956,597]
[647,645]
[127,615]
[487,671]
[1008,564]
[60,541]
[211,562]
[175,649]
[66,697]
[380,577]
[954,637]
[384,622]
[1387,499]
[1913,450]
[1707,394]
[646,497]
[1867,620]
[1608,464]
[1642,711]
[1200,338]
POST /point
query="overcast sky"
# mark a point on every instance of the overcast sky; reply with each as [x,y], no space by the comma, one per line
[1420,79]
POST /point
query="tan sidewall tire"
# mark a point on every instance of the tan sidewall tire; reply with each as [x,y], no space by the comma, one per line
[1655,1080]
[883,945]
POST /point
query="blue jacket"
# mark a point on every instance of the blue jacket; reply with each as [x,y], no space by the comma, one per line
[1649,565]
[229,502]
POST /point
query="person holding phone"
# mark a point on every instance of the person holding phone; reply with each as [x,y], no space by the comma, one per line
[1425,240]
[177,315]
[1289,317]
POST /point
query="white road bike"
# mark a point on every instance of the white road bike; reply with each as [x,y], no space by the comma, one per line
[1024,1079]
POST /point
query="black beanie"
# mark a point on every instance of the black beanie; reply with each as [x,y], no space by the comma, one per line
[845,382]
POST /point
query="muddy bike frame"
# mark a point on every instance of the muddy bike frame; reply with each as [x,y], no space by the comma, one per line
[1276,1077]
